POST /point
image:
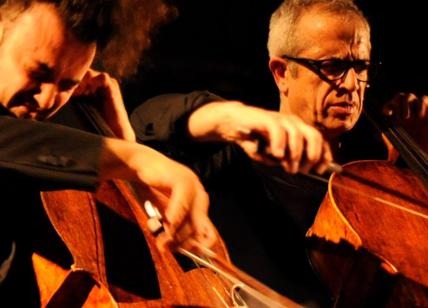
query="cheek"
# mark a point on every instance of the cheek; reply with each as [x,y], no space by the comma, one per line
[324,94]
[360,111]
[308,101]
[12,80]
[12,68]
[362,94]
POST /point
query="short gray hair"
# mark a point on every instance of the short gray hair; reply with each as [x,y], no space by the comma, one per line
[283,23]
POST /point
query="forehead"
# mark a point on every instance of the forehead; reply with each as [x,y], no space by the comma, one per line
[323,34]
[39,33]
[40,25]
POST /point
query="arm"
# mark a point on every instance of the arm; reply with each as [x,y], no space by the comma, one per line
[186,215]
[57,157]
[50,154]
[161,123]
[106,95]
[285,138]
[164,118]
[175,123]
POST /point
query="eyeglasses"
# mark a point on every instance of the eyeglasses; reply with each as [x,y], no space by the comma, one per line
[335,69]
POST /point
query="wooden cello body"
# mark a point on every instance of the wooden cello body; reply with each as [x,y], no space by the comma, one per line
[116,262]
[92,283]
[370,235]
[115,258]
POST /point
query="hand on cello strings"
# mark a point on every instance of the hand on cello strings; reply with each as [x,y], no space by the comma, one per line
[411,113]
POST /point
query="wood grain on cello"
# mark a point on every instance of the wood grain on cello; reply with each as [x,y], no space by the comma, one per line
[369,237]
[117,261]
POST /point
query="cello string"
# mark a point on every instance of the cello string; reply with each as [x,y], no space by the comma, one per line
[414,157]
[232,295]
[223,269]
[334,167]
[270,302]
[104,129]
[199,266]
[206,261]
[418,157]
[208,255]
[359,192]
[155,225]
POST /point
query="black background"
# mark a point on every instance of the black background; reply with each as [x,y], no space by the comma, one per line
[221,46]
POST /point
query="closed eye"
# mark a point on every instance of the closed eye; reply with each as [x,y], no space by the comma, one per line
[42,73]
[40,76]
[67,84]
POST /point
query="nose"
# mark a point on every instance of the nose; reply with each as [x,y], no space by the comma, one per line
[47,96]
[349,81]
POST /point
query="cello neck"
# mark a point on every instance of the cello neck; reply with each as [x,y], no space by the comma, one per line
[413,156]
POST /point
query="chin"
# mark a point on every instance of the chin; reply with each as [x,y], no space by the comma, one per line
[21,115]
[19,112]
[336,129]
[29,116]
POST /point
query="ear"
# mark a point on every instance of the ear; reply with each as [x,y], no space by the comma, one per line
[279,70]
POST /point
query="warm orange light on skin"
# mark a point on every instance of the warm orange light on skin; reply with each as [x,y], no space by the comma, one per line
[335,107]
[41,63]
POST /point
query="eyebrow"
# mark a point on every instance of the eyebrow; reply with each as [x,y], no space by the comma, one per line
[48,73]
[44,70]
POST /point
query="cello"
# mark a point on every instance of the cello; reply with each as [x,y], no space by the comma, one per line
[80,220]
[369,235]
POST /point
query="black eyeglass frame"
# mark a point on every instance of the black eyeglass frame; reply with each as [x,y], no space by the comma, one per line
[316,66]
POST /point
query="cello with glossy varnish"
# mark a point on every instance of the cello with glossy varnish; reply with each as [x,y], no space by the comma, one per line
[75,216]
[369,238]
[116,261]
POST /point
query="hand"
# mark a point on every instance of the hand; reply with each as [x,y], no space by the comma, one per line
[286,138]
[108,100]
[410,112]
[186,219]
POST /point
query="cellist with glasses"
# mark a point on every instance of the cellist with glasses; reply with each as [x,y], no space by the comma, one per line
[250,158]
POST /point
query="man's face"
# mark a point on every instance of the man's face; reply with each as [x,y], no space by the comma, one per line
[40,63]
[333,107]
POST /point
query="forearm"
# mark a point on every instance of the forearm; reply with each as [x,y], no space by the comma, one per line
[52,156]
[164,118]
[127,160]
[162,123]
[216,121]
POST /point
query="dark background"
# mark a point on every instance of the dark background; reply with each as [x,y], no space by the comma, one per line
[221,46]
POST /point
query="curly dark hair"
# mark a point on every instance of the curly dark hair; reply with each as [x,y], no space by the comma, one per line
[122,29]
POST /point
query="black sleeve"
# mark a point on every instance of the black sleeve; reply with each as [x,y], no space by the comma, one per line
[161,123]
[164,117]
[49,156]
